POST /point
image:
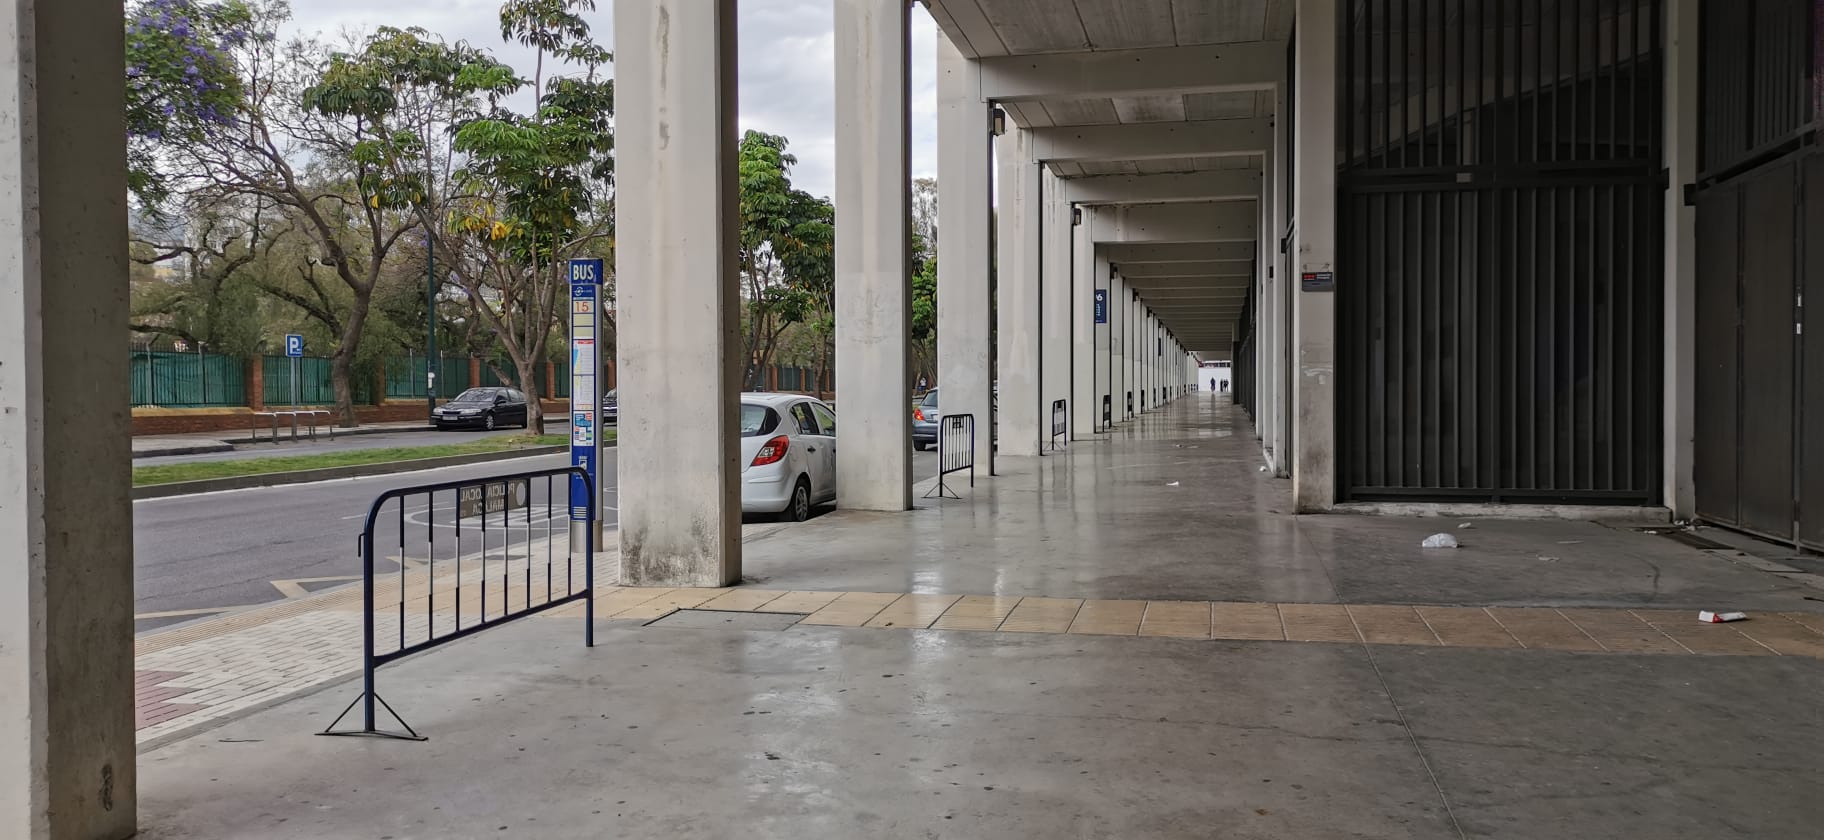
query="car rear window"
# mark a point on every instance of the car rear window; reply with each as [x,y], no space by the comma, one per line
[930,399]
[757,420]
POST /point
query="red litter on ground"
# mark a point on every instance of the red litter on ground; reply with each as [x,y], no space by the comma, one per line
[1709,617]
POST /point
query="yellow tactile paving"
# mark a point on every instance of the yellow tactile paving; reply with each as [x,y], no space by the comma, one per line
[1785,636]
[1684,628]
[1622,632]
[852,609]
[1253,622]
[1391,625]
[1177,619]
[1042,615]
[1109,618]
[913,612]
[799,602]
[743,600]
[1466,627]
[976,612]
[1318,623]
[1542,628]
[676,599]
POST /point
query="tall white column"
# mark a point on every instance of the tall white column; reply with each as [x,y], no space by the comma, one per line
[1285,281]
[1137,322]
[1022,419]
[1055,299]
[1118,326]
[66,520]
[680,516]
[873,291]
[1314,208]
[1680,488]
[1268,404]
[965,199]
[1085,366]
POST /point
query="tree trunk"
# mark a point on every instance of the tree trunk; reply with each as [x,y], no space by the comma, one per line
[528,383]
[341,365]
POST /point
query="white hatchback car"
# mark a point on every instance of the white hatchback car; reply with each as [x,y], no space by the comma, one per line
[788,455]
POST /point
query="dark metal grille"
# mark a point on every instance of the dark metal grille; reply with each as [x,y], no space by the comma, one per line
[1759,91]
[1500,238]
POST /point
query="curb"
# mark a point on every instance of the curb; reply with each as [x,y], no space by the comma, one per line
[186,449]
[358,430]
[247,482]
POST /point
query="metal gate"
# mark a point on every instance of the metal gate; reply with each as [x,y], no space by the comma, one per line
[1760,384]
[1500,240]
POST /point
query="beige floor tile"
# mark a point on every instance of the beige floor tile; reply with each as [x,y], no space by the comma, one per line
[1041,615]
[976,612]
[1318,623]
[676,599]
[799,602]
[1684,628]
[1246,621]
[913,612]
[1542,629]
[1177,619]
[1782,634]
[1109,618]
[1811,621]
[1391,625]
[1466,627]
[1622,632]
[607,606]
[743,600]
[851,609]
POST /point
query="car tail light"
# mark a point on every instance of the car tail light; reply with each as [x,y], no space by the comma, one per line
[772,451]
[918,414]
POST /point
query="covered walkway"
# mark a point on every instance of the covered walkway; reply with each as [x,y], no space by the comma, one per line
[1132,639]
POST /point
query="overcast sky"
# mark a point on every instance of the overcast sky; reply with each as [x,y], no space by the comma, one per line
[787,60]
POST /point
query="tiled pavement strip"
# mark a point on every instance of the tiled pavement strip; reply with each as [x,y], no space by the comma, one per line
[203,672]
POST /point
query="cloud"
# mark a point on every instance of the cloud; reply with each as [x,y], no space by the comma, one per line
[786,70]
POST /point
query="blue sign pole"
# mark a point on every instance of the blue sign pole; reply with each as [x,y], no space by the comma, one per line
[585,399]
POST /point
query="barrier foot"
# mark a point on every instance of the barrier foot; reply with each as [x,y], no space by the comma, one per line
[941,492]
[409,734]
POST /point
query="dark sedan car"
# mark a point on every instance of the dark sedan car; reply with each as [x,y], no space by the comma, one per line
[611,407]
[484,408]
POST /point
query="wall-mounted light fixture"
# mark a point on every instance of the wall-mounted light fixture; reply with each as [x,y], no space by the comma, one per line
[1076,216]
[997,122]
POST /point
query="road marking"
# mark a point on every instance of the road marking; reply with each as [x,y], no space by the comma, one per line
[183,613]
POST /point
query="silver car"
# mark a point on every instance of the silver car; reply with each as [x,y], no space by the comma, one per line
[788,455]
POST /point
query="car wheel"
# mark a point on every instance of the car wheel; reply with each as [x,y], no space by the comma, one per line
[799,508]
[488,421]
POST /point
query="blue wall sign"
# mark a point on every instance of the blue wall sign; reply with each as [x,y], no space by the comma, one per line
[294,345]
[1101,306]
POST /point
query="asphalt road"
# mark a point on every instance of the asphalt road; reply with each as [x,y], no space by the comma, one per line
[199,555]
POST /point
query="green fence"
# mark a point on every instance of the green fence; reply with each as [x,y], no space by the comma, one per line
[405,376]
[188,380]
[315,383]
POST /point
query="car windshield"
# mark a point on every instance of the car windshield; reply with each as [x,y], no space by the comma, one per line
[757,420]
[475,395]
[611,395]
[930,399]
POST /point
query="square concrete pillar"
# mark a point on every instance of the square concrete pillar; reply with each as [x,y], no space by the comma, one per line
[1681,108]
[1022,419]
[1085,397]
[1057,294]
[873,233]
[965,246]
[66,519]
[675,145]
[1314,209]
[1119,304]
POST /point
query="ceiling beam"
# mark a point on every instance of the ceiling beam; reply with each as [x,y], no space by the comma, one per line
[1256,65]
[1129,255]
[1227,185]
[1151,141]
[1226,221]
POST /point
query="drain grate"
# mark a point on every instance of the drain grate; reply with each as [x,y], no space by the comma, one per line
[726,620]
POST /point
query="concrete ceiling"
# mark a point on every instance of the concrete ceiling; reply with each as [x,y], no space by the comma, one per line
[984,28]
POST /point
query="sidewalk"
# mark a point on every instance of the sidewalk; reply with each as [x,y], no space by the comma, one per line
[1126,640]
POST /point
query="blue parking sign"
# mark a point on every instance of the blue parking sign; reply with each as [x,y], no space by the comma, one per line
[294,345]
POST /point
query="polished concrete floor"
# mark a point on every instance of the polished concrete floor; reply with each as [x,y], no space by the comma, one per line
[725,725]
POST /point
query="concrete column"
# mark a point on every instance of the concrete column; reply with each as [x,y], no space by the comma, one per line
[965,198]
[1314,209]
[66,520]
[1023,421]
[1055,299]
[873,291]
[1118,327]
[1680,488]
[1101,335]
[1268,401]
[1285,283]
[1136,319]
[1085,397]
[679,363]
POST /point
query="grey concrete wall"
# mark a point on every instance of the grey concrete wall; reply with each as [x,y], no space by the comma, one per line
[66,522]
[1680,488]
[1314,208]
